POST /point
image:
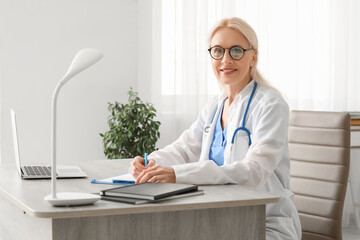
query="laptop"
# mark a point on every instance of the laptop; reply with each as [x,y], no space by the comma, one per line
[39,172]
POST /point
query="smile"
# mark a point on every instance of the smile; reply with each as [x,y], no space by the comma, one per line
[228,70]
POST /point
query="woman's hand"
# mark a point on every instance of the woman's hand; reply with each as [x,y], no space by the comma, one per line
[138,165]
[157,174]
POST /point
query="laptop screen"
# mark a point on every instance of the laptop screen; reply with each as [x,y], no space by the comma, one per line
[16,141]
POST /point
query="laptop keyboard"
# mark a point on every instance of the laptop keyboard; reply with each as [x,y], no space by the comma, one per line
[37,170]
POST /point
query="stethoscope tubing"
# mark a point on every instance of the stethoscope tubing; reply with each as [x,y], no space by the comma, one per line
[242,128]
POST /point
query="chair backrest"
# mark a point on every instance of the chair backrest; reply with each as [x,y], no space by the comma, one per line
[319,148]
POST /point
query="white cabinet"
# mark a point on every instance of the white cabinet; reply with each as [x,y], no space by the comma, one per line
[355,137]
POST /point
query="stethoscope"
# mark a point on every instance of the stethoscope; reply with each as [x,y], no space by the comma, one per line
[242,128]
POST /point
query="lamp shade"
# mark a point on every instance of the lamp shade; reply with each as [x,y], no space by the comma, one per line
[82,60]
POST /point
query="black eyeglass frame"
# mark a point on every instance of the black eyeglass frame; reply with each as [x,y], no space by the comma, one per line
[229,51]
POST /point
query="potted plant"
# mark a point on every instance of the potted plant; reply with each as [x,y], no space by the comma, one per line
[133,130]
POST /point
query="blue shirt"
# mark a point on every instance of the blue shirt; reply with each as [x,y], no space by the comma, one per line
[218,144]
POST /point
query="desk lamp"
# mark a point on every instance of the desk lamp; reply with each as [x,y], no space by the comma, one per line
[83,59]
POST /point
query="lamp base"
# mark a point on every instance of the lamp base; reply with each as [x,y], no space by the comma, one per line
[72,199]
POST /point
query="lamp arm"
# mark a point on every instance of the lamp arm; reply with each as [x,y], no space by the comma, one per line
[83,59]
[53,138]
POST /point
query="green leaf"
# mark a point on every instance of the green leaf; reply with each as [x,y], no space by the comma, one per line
[132,128]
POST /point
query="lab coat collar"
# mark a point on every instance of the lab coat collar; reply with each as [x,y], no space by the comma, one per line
[221,98]
[244,93]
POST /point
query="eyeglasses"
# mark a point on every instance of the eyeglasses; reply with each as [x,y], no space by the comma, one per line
[236,52]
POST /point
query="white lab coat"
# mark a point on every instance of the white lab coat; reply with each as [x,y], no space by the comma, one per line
[264,165]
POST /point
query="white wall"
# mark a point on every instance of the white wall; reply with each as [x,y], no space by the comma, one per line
[38,39]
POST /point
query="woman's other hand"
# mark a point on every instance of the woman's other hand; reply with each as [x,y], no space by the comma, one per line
[157,174]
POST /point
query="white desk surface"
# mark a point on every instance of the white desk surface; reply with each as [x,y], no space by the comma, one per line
[29,195]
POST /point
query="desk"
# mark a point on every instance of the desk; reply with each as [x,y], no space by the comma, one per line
[223,212]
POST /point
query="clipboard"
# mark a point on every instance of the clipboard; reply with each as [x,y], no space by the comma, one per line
[124,179]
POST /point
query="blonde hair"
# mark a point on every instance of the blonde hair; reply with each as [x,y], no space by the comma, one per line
[245,29]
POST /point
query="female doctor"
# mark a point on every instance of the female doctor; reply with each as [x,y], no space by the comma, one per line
[240,137]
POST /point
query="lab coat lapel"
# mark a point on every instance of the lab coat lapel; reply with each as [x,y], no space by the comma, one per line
[211,121]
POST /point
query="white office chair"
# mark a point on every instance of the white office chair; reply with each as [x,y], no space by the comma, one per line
[319,146]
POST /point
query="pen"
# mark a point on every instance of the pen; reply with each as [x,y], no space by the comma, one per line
[146,160]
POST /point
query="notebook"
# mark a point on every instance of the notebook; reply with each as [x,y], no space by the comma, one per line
[38,172]
[137,201]
[149,191]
